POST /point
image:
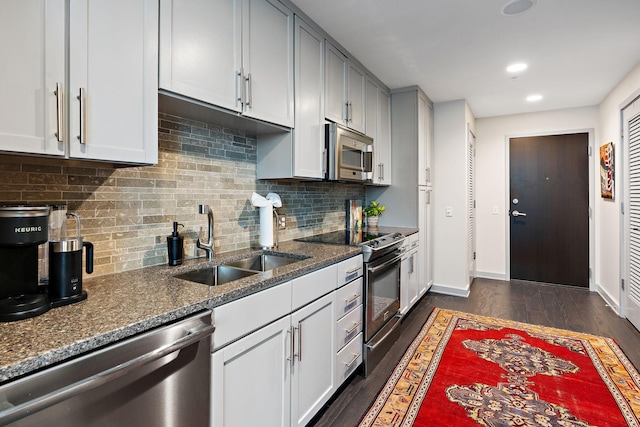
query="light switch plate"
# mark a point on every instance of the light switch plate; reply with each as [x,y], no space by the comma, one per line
[449,211]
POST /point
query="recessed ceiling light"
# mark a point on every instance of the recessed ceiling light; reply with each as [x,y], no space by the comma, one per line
[515,68]
[516,7]
[534,98]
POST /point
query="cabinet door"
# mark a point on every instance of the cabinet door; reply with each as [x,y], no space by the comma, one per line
[335,99]
[414,267]
[423,140]
[404,285]
[32,45]
[113,57]
[313,379]
[251,379]
[371,109]
[383,141]
[378,124]
[309,118]
[201,49]
[425,251]
[267,59]
[356,98]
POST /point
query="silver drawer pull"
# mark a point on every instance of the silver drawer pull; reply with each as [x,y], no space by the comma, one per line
[353,329]
[351,300]
[352,274]
[356,356]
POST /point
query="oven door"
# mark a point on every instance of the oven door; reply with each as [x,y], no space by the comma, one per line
[382,288]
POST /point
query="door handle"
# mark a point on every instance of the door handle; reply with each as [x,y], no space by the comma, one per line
[516,213]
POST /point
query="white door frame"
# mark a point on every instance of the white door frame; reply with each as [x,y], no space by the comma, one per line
[593,162]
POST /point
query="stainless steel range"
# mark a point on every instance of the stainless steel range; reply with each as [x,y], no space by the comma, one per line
[381,253]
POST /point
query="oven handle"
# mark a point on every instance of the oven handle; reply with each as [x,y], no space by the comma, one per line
[377,343]
[384,265]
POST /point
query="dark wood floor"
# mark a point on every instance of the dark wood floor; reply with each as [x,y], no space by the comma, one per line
[564,307]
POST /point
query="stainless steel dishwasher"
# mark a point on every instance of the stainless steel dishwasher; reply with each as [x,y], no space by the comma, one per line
[159,378]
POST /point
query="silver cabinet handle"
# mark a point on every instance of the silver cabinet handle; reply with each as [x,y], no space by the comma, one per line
[352,274]
[300,342]
[516,213]
[411,264]
[292,358]
[351,300]
[20,411]
[351,330]
[356,356]
[59,106]
[83,116]
[239,86]
[350,113]
[249,93]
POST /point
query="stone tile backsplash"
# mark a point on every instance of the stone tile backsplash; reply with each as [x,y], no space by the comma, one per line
[127,212]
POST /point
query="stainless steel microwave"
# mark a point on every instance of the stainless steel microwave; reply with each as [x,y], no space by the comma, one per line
[350,154]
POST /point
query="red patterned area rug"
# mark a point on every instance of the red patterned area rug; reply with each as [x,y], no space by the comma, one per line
[469,370]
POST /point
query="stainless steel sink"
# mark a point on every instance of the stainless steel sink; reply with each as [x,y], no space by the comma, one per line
[264,262]
[214,276]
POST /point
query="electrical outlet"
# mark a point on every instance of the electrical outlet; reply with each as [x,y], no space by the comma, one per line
[282,222]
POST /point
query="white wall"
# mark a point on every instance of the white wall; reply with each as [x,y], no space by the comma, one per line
[608,236]
[491,179]
[491,175]
[450,188]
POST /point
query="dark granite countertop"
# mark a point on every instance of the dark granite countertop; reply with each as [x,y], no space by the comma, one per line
[124,304]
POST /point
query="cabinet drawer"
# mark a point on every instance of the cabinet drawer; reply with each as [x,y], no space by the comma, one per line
[414,240]
[348,359]
[349,326]
[348,297]
[312,286]
[349,269]
[238,318]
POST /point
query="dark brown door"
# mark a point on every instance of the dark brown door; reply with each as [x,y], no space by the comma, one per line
[549,207]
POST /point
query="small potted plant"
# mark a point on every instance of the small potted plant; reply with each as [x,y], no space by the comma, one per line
[373,211]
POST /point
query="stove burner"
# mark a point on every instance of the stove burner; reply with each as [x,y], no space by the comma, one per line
[373,244]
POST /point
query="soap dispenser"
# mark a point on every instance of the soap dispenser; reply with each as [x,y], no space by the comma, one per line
[175,245]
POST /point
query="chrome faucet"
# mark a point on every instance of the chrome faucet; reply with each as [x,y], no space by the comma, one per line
[208,245]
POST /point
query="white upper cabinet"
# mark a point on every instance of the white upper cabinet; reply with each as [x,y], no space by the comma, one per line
[425,114]
[301,153]
[32,46]
[356,98]
[309,123]
[344,90]
[335,98]
[200,50]
[233,54]
[378,127]
[113,85]
[104,106]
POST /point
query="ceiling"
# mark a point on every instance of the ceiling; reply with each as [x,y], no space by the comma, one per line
[576,50]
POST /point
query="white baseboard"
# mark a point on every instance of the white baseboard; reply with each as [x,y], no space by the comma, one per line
[448,290]
[610,301]
[489,275]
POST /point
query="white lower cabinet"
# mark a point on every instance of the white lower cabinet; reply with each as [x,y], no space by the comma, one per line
[409,274]
[276,358]
[312,380]
[251,379]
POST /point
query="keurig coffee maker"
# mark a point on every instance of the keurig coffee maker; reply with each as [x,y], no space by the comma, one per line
[23,261]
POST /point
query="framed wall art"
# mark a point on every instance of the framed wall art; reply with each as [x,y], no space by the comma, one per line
[607,171]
